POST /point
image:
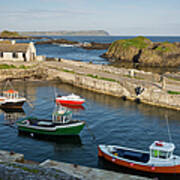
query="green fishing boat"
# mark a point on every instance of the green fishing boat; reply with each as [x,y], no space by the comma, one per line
[61,124]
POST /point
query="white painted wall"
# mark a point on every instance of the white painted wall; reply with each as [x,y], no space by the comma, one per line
[9,56]
[30,54]
[32,50]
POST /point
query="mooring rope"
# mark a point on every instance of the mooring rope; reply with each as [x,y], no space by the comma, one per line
[170,140]
[91,133]
[168,129]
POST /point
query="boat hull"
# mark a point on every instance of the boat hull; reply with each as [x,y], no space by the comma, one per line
[133,165]
[62,131]
[18,104]
[69,102]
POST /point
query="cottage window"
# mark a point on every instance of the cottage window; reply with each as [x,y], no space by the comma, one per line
[1,54]
[15,55]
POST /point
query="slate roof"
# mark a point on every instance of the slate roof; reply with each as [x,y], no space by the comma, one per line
[17,47]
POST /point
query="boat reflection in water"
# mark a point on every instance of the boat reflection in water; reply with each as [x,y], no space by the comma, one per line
[11,115]
[79,107]
[72,140]
[105,164]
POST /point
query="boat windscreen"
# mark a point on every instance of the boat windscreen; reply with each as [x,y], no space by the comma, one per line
[132,155]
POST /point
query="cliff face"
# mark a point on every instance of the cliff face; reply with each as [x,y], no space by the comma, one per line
[144,52]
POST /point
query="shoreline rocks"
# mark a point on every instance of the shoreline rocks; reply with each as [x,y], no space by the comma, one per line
[85,45]
[94,45]
[144,52]
[57,41]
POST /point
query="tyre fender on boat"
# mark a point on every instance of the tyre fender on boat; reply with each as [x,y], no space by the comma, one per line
[26,122]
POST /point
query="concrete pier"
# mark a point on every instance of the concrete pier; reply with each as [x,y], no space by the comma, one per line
[14,167]
[6,156]
[88,173]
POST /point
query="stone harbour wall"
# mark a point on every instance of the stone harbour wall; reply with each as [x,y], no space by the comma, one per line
[119,82]
[151,94]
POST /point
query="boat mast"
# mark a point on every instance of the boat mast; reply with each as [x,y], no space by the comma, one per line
[168,129]
[167,122]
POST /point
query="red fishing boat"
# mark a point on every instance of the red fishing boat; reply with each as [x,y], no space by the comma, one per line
[71,99]
[159,159]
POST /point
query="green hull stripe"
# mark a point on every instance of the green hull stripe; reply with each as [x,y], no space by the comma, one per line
[63,131]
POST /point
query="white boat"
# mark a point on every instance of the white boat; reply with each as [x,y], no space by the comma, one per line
[71,99]
[159,159]
[66,45]
[11,98]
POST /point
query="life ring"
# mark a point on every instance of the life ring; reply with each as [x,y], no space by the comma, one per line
[26,122]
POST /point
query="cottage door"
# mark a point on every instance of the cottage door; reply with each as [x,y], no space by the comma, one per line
[24,56]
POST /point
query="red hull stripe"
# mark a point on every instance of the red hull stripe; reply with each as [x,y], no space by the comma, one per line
[144,168]
[69,102]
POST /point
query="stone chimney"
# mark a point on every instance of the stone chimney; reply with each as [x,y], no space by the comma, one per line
[13,42]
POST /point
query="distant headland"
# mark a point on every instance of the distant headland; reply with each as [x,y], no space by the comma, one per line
[65,33]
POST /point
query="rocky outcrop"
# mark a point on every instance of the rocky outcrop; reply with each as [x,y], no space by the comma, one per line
[95,45]
[57,41]
[144,52]
[86,45]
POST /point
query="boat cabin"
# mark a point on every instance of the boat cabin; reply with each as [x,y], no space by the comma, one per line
[161,150]
[11,94]
[62,117]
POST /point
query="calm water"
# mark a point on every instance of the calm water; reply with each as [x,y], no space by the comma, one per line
[110,120]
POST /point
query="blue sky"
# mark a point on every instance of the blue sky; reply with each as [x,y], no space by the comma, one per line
[118,17]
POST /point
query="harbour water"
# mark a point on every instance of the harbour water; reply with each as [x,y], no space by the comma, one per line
[109,120]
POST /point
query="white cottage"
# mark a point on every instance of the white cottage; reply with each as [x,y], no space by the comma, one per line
[10,50]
